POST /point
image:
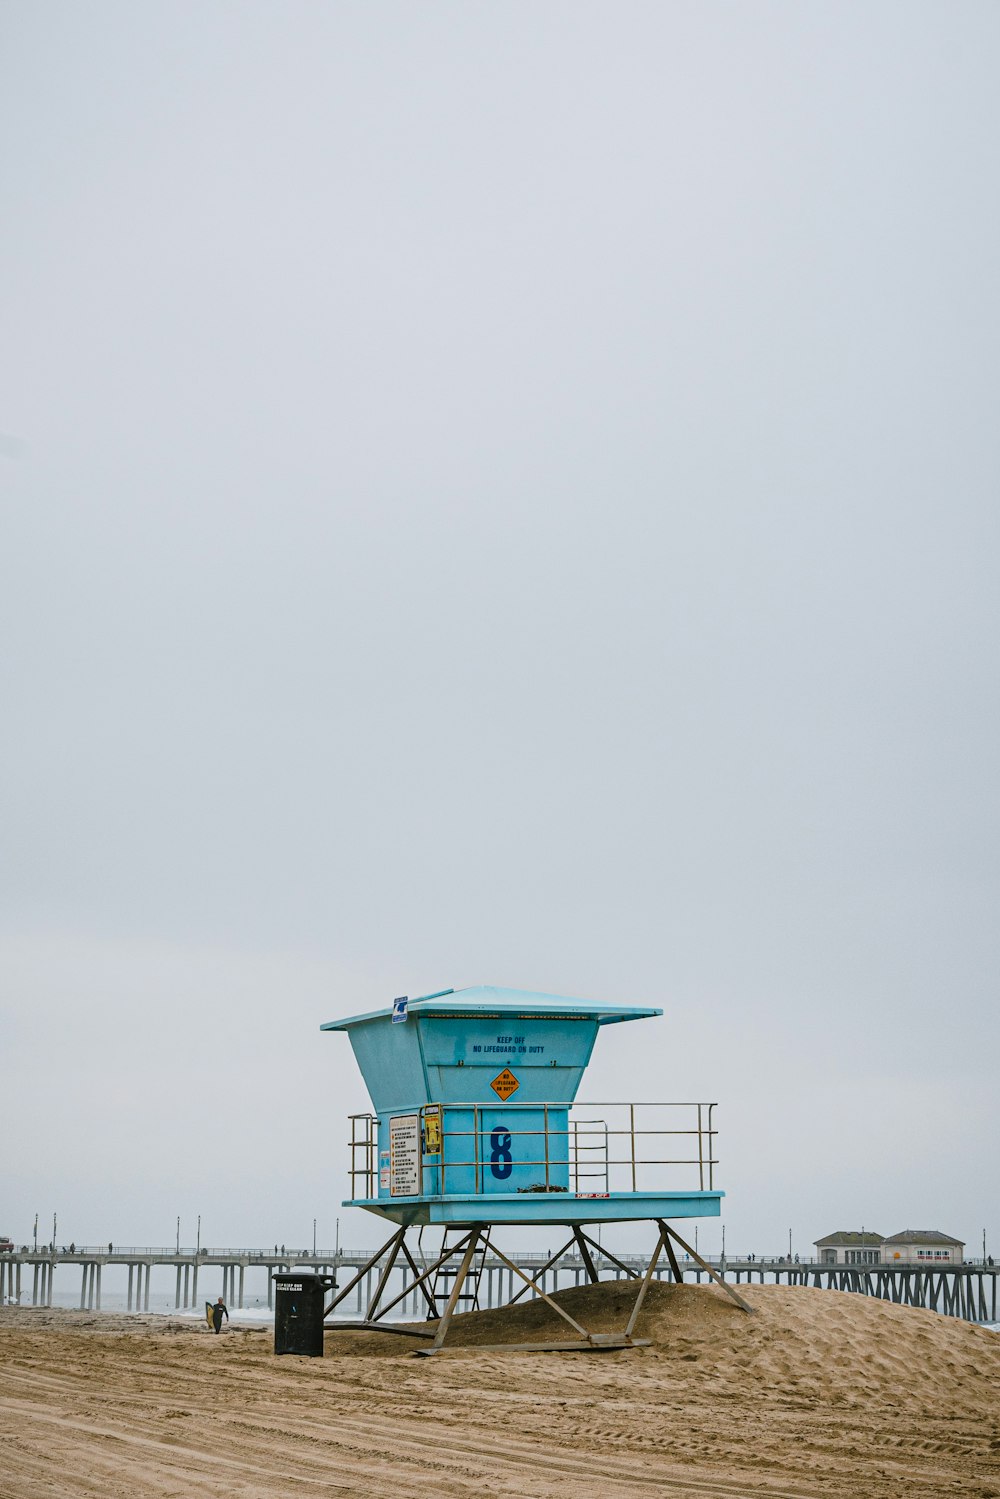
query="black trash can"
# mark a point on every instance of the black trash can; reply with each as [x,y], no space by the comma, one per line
[298,1312]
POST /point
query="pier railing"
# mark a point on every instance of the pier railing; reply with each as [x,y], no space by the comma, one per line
[127,1252]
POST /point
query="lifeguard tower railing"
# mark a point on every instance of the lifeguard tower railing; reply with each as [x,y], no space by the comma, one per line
[607,1147]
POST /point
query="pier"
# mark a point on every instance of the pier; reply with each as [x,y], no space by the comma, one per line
[27,1276]
[40,1266]
[968,1291]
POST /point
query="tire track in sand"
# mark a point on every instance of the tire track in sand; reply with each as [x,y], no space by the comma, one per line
[379,1459]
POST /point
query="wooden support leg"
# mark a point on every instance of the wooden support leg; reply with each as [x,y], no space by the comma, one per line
[733,1295]
[660,1241]
[609,1256]
[456,1291]
[547,1266]
[421,1280]
[581,1239]
[360,1275]
[535,1286]
[386,1272]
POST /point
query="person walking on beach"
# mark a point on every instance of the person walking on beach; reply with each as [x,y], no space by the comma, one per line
[219,1311]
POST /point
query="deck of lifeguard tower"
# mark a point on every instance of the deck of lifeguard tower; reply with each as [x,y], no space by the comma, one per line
[477,1125]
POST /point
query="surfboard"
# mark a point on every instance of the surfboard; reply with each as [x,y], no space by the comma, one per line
[208,1313]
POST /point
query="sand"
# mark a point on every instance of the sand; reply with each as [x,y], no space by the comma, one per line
[820,1393]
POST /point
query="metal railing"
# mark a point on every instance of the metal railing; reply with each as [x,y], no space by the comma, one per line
[768,1263]
[603,1148]
[363,1146]
[126,1252]
[591,1151]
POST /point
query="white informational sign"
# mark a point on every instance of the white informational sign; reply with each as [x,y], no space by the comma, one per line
[404,1155]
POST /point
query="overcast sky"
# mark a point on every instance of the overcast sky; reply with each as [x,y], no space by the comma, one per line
[498,494]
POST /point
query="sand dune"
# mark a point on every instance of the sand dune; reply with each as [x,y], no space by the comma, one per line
[820,1393]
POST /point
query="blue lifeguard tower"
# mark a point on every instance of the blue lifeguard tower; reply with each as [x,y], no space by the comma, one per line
[477,1125]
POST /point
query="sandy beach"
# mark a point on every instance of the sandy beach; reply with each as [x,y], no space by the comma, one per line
[819,1393]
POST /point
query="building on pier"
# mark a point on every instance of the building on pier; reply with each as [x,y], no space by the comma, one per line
[914,1246]
[849,1246]
[922,1246]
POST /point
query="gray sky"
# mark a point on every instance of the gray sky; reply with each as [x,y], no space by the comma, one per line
[498,494]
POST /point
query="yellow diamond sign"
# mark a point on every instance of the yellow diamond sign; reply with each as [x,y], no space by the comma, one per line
[505,1084]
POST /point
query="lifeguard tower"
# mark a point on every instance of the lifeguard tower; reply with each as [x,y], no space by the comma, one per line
[477,1125]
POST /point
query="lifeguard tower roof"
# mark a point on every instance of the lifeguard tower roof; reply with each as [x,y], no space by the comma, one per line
[481,1001]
